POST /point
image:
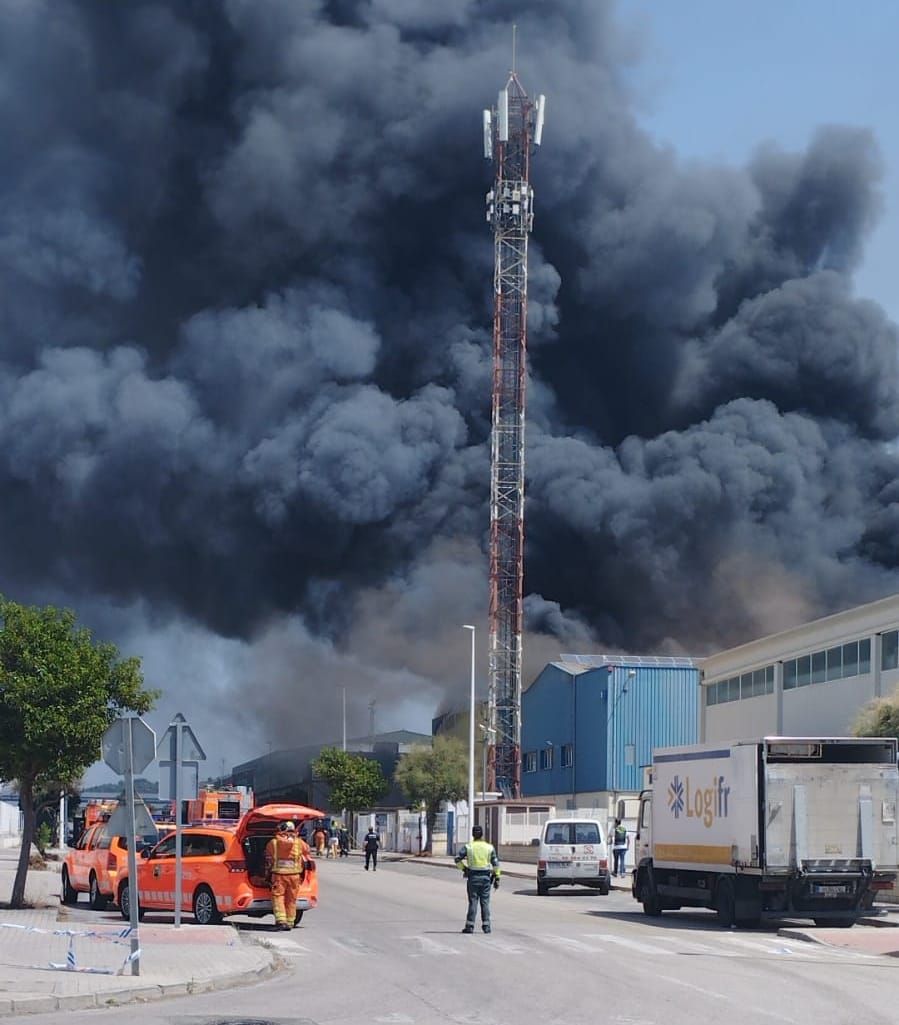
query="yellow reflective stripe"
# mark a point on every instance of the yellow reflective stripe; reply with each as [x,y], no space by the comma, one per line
[702,854]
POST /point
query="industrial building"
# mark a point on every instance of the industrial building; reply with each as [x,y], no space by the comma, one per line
[287,776]
[590,723]
[810,680]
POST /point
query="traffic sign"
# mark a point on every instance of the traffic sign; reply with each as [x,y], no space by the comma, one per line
[119,823]
[190,746]
[114,745]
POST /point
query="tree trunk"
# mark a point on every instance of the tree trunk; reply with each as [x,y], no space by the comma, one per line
[430,819]
[26,800]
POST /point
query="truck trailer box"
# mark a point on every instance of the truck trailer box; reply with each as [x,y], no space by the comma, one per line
[795,823]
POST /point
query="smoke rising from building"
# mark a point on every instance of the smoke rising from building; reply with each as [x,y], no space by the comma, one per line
[245,353]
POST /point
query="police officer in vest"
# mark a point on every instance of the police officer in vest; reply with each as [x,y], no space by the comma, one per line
[286,858]
[480,866]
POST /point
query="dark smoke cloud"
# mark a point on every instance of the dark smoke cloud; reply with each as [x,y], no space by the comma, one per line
[245,355]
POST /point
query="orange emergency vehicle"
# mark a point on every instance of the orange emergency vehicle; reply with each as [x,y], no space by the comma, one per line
[92,866]
[226,804]
[223,868]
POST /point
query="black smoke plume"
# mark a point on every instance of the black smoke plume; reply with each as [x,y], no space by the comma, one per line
[245,355]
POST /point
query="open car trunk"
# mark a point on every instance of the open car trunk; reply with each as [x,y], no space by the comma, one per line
[259,825]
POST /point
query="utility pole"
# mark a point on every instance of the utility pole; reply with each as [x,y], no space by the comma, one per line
[511,129]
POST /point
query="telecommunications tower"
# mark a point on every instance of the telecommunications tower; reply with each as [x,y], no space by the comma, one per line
[511,129]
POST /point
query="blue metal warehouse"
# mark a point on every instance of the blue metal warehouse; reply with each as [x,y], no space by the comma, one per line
[590,723]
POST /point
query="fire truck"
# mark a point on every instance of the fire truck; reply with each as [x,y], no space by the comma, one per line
[227,804]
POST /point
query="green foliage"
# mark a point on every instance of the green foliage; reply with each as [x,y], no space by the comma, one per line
[356,781]
[43,837]
[59,691]
[879,718]
[431,775]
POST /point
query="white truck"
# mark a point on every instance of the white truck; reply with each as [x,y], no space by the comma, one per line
[773,828]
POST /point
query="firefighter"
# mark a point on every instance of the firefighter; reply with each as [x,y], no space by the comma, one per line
[480,866]
[286,855]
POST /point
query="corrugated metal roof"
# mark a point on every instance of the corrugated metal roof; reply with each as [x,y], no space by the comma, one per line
[598,661]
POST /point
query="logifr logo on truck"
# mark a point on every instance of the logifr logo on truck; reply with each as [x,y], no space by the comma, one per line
[707,804]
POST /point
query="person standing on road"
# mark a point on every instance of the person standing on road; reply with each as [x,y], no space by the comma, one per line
[343,837]
[620,844]
[286,855]
[318,838]
[371,843]
[480,866]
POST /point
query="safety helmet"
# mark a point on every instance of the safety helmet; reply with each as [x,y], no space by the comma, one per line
[477,832]
[286,827]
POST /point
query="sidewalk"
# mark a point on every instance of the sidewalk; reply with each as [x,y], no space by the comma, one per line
[173,962]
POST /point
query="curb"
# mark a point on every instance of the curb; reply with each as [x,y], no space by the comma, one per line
[142,994]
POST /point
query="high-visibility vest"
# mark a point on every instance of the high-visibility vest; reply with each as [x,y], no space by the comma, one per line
[479,856]
[286,854]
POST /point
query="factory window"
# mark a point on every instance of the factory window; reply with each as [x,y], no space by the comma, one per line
[889,658]
[850,659]
[834,664]
[864,656]
[530,761]
[567,756]
[790,674]
[819,667]
[546,758]
[711,694]
[804,670]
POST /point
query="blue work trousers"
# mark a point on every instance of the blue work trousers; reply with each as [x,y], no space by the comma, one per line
[479,884]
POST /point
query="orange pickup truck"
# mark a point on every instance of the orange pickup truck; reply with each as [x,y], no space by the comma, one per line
[93,865]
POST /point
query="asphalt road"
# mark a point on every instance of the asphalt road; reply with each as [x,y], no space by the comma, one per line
[386,947]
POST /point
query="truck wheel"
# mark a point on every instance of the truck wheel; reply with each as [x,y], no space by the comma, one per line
[206,910]
[724,904]
[97,900]
[69,894]
[652,903]
[542,888]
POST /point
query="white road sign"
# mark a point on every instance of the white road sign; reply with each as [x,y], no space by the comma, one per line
[114,745]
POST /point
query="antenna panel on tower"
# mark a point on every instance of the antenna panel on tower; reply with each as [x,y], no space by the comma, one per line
[488,135]
[502,115]
[538,124]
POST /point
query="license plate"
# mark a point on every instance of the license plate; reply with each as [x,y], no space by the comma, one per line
[559,864]
[831,891]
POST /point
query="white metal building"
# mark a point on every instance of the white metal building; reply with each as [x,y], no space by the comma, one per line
[806,681]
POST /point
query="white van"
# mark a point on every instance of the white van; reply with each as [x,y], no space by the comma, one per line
[573,852]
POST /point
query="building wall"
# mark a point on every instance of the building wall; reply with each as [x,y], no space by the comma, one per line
[614,715]
[820,702]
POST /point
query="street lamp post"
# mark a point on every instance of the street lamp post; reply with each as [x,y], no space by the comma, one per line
[471,736]
[487,730]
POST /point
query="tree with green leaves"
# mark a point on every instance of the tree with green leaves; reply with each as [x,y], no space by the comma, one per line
[431,775]
[878,718]
[59,691]
[356,782]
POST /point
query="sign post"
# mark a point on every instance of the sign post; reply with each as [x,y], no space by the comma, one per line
[183,749]
[128,746]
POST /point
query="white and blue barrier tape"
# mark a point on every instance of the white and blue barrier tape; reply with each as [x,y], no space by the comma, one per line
[71,964]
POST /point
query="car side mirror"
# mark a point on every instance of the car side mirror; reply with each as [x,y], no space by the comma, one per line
[145,853]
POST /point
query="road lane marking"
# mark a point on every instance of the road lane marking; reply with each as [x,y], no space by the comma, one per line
[352,945]
[427,945]
[725,998]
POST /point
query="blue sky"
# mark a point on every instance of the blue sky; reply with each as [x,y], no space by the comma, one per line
[718,78]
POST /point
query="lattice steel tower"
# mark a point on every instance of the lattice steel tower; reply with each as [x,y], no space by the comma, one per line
[511,130]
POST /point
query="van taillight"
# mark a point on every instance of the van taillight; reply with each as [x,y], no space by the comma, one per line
[236,866]
[603,862]
[541,863]
[111,863]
